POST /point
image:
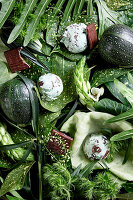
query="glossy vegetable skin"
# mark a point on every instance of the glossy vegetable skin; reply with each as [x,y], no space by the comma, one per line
[116,45]
[15,101]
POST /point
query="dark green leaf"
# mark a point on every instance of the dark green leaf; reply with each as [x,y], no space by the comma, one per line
[115,92]
[30,4]
[76,171]
[6,9]
[64,52]
[127,151]
[15,179]
[23,158]
[104,164]
[34,102]
[103,76]
[14,146]
[128,187]
[124,135]
[110,106]
[4,163]
[13,198]
[42,6]
[120,117]
[127,196]
[87,169]
[17,127]
[125,91]
[26,53]
[113,89]
[71,112]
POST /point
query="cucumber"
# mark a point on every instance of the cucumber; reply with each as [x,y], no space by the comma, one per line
[15,101]
[116,45]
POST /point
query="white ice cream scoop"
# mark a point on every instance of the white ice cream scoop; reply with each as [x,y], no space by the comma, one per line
[75,38]
[50,86]
[96,147]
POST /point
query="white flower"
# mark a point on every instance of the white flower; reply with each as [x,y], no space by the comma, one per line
[75,38]
[50,86]
[96,93]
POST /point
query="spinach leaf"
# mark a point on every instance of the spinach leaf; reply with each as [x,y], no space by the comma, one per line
[110,106]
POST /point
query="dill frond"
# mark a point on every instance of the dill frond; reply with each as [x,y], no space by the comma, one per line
[105,187]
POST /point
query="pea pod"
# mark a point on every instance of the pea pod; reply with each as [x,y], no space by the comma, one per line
[15,154]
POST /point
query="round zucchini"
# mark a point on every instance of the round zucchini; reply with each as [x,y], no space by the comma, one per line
[15,101]
[116,45]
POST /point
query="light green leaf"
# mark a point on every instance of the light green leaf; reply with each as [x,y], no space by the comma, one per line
[78,8]
[87,169]
[5,75]
[68,10]
[65,70]
[120,117]
[66,16]
[127,92]
[7,7]
[51,33]
[130,77]
[3,48]
[57,8]
[107,17]
[124,135]
[34,23]
[30,4]
[15,179]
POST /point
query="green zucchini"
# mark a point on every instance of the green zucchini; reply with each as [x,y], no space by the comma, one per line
[116,45]
[15,101]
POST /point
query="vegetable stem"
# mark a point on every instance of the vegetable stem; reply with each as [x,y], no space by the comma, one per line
[40,173]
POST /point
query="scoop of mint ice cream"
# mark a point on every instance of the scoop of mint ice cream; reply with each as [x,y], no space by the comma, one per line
[75,38]
[50,86]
